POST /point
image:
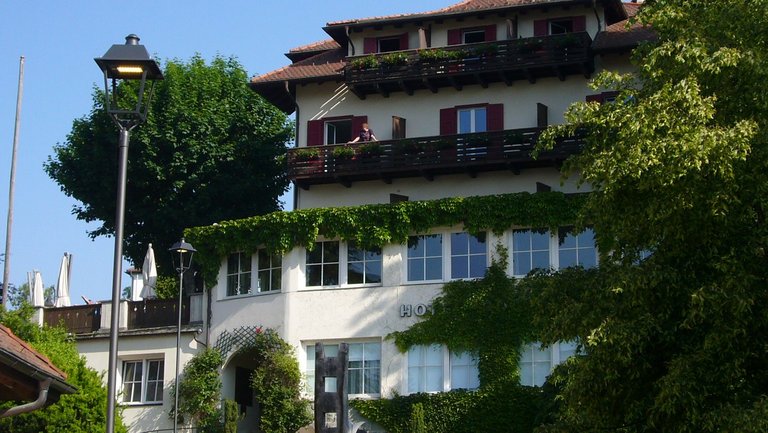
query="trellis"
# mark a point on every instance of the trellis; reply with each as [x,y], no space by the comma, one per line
[236,339]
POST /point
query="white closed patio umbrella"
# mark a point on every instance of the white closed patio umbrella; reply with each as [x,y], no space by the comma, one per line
[36,296]
[149,274]
[62,285]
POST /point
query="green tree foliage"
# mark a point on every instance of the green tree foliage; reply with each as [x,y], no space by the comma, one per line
[208,152]
[676,342]
[200,392]
[82,412]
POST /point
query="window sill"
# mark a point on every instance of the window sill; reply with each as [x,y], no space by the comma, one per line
[249,295]
[138,404]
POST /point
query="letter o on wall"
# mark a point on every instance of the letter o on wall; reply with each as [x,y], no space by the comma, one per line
[420,310]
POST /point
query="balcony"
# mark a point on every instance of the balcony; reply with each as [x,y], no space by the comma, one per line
[155,313]
[423,157]
[463,65]
[79,319]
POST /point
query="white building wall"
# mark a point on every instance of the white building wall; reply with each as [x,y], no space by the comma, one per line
[147,417]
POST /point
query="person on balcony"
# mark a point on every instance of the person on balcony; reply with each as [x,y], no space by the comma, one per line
[366,134]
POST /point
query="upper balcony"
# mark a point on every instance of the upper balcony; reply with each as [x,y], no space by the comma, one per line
[462,65]
[423,157]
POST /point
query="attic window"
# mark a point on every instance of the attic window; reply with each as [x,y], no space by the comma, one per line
[559,27]
[389,44]
[473,36]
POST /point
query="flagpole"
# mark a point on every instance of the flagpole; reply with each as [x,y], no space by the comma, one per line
[7,257]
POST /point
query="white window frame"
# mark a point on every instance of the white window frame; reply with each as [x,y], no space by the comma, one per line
[322,263]
[343,264]
[468,256]
[446,369]
[553,245]
[473,126]
[270,270]
[330,125]
[388,38]
[143,381]
[466,32]
[555,359]
[446,258]
[240,290]
[407,260]
[557,22]
[364,262]
[309,373]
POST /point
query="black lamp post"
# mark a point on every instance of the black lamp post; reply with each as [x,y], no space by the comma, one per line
[181,253]
[123,63]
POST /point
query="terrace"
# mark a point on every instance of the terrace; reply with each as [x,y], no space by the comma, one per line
[423,157]
[461,65]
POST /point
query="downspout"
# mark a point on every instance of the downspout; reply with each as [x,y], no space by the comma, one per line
[296,140]
[597,16]
[349,40]
[42,397]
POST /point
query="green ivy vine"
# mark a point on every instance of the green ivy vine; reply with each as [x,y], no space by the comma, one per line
[378,224]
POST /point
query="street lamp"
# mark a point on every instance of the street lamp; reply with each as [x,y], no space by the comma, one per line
[122,64]
[181,253]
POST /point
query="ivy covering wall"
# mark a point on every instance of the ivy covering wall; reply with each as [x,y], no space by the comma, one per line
[378,224]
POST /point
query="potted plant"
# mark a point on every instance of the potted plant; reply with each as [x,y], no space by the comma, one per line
[409,147]
[363,63]
[343,152]
[306,154]
[393,60]
[370,149]
[434,55]
[531,46]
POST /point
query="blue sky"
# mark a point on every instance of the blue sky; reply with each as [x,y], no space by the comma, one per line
[59,40]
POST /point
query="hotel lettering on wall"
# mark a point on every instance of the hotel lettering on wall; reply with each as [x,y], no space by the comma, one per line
[418,310]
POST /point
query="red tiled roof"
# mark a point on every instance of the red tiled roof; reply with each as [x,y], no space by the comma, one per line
[464,6]
[622,35]
[327,64]
[324,45]
[18,348]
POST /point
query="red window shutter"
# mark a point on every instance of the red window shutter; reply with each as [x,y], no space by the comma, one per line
[540,28]
[490,33]
[495,117]
[404,41]
[580,23]
[454,37]
[315,132]
[595,98]
[448,121]
[357,125]
[370,45]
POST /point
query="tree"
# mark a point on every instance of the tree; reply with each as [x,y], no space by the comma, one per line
[84,411]
[675,342]
[209,151]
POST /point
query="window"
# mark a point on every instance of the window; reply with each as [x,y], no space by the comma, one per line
[363,364]
[530,250]
[559,27]
[323,264]
[473,36]
[469,255]
[425,257]
[143,381]
[464,373]
[536,363]
[338,131]
[363,266]
[429,365]
[472,120]
[577,249]
[238,274]
[270,271]
[425,369]
[389,44]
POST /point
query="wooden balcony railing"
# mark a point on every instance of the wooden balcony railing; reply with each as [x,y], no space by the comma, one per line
[79,319]
[423,157]
[460,65]
[153,313]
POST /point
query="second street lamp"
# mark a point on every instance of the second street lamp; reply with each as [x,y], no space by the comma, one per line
[181,253]
[121,64]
